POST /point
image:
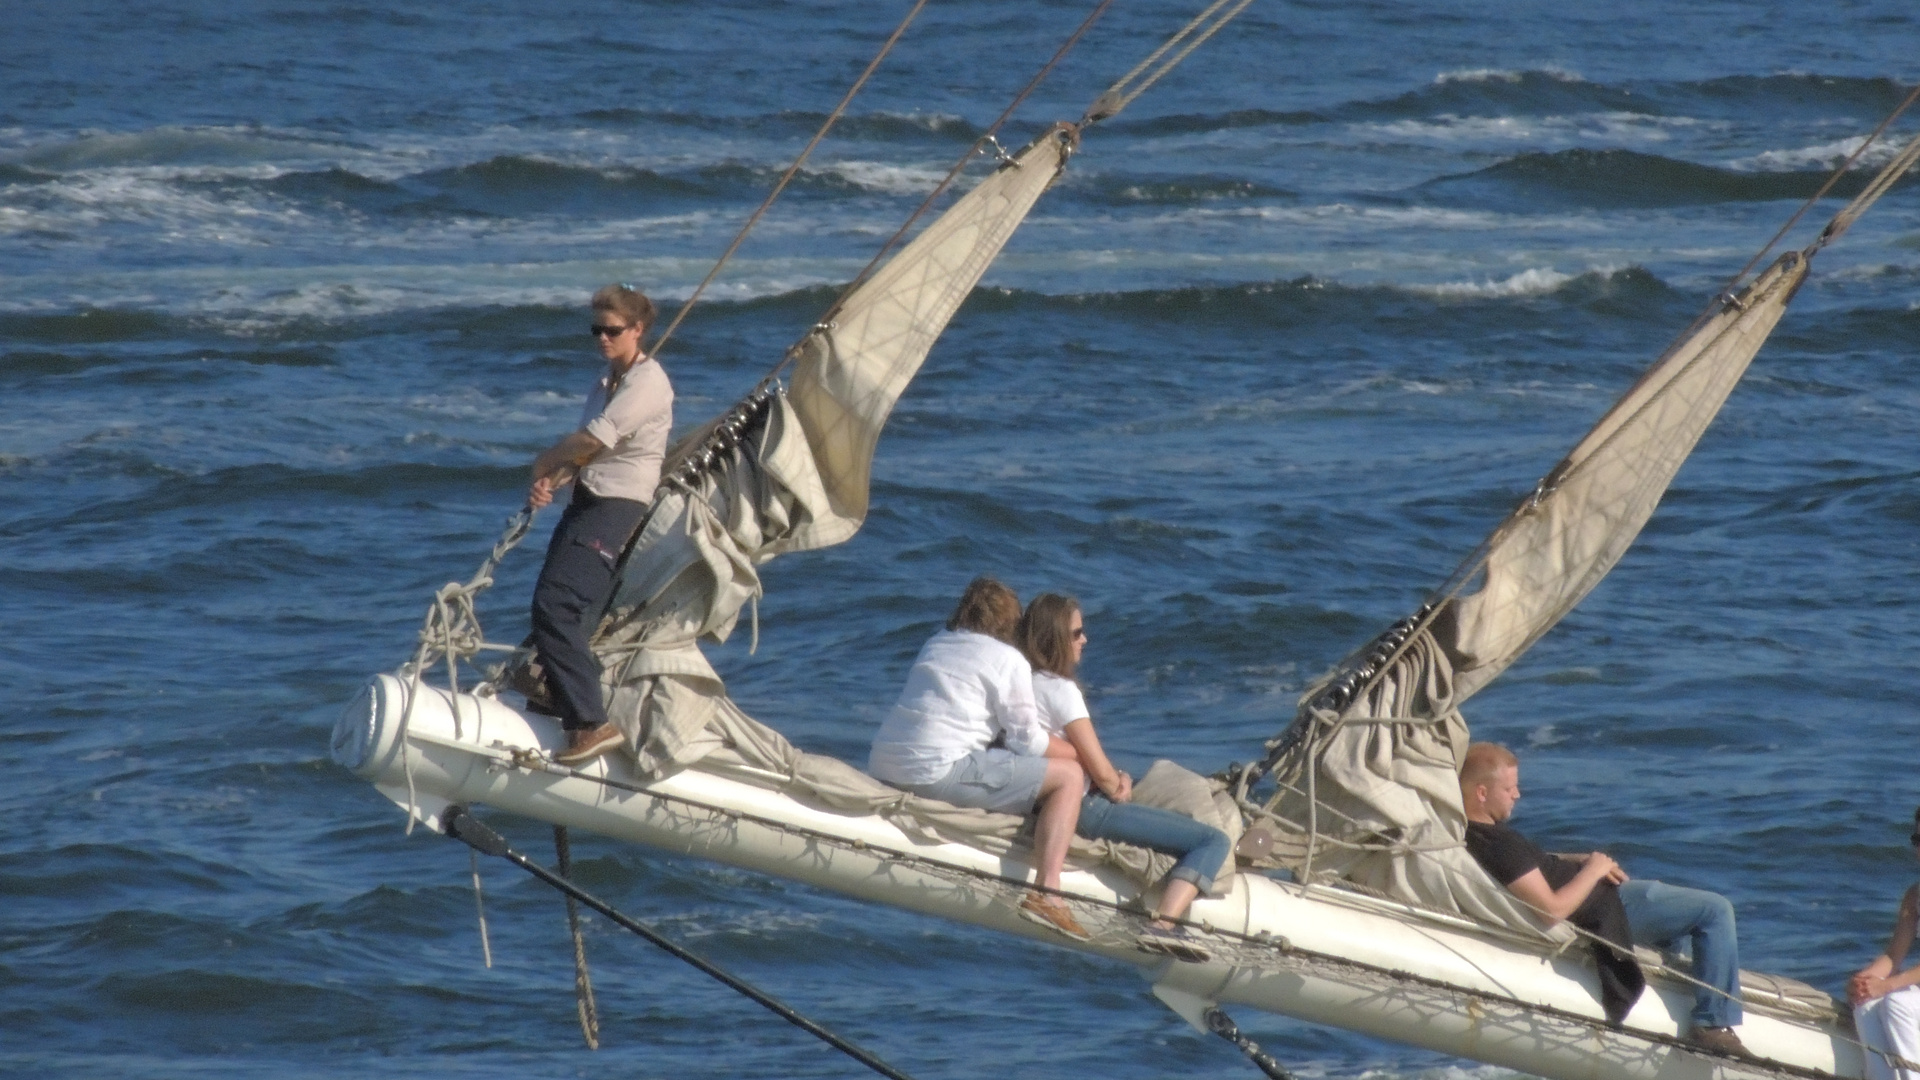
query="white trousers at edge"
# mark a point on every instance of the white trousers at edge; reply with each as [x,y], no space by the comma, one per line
[1891,1023]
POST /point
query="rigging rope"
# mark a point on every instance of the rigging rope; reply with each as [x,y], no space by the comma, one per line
[753,219]
[1121,93]
[582,979]
[986,139]
[452,630]
[1377,667]
[1832,179]
[463,826]
[1881,184]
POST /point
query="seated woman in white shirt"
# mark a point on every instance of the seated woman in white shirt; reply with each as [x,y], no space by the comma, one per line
[1053,633]
[968,690]
[1886,1000]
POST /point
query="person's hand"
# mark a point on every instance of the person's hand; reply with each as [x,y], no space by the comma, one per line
[541,493]
[1122,791]
[1865,986]
[1603,864]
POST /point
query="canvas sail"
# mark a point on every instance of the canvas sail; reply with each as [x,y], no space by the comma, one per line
[1367,787]
[788,470]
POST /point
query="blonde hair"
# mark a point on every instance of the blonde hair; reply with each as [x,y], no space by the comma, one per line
[1484,760]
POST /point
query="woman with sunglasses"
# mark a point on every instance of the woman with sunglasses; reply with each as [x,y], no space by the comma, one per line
[613,462]
[1053,634]
[1886,1005]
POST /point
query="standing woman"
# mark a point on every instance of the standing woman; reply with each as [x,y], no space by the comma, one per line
[1053,634]
[1886,1005]
[613,462]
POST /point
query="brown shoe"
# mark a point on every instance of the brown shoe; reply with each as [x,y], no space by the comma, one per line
[1053,913]
[1720,1040]
[585,745]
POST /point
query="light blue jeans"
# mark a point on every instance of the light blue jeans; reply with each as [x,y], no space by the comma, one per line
[1202,848]
[1663,915]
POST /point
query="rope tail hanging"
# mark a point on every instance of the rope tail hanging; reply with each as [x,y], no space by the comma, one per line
[463,826]
[582,978]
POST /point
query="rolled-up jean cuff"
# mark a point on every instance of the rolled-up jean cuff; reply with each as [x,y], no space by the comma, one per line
[1187,873]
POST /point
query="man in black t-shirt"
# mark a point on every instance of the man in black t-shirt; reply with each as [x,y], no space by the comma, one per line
[1594,894]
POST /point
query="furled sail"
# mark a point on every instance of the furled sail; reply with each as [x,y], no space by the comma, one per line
[788,470]
[1366,775]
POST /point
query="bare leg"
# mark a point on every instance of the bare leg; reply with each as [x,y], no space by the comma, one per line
[1174,901]
[1060,795]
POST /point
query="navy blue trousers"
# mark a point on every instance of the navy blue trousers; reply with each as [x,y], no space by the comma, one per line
[575,584]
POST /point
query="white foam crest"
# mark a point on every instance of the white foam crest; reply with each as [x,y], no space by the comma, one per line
[258,300]
[170,212]
[1824,156]
[1505,75]
[1343,215]
[886,178]
[928,121]
[1536,281]
[1531,131]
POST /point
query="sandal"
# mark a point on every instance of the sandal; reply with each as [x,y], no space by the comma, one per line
[1053,914]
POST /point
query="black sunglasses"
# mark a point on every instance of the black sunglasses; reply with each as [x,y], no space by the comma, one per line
[607,331]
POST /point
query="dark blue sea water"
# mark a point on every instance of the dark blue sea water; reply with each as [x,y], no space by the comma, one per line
[290,293]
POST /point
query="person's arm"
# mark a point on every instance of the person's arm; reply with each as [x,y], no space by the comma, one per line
[1009,686]
[1556,904]
[1877,979]
[1111,782]
[1618,876]
[557,465]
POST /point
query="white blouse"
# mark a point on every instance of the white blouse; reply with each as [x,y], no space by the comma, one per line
[1060,702]
[964,689]
[634,427]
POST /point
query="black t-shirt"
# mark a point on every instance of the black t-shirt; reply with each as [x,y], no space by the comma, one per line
[1508,856]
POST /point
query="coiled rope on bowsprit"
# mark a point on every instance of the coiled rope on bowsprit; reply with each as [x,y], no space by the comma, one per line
[452,631]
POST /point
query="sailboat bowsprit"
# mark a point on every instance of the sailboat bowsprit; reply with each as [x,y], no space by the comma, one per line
[1375,919]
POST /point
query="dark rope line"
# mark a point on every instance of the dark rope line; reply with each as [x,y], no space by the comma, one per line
[461,825]
[780,186]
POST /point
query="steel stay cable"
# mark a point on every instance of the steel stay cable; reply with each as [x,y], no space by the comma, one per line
[753,219]
[460,824]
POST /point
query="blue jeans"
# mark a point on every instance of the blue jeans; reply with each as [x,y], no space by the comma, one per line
[1202,848]
[1662,915]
